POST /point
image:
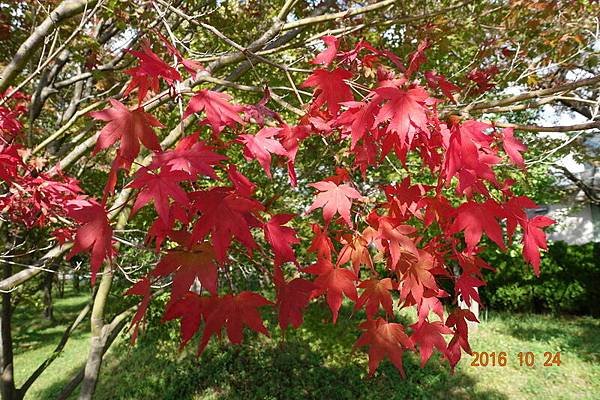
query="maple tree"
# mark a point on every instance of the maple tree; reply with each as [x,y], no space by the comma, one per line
[396,114]
[382,246]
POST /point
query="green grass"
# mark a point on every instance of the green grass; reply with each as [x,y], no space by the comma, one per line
[317,362]
[35,338]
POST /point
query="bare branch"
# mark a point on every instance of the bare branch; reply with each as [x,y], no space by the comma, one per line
[533,94]
[589,191]
[26,274]
[559,128]
[342,14]
[64,11]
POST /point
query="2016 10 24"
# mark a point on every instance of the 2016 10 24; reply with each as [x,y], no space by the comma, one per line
[524,359]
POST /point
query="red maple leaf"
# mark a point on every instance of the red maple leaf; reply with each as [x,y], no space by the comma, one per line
[259,112]
[261,146]
[290,138]
[429,335]
[365,154]
[158,188]
[417,58]
[140,288]
[482,77]
[458,319]
[470,157]
[321,243]
[476,218]
[190,66]
[281,238]
[515,213]
[37,198]
[187,265]
[10,160]
[417,276]
[435,80]
[146,75]
[219,111]
[471,264]
[404,197]
[376,292]
[334,199]
[94,233]
[358,119]
[385,339]
[331,88]
[466,286]
[513,147]
[10,126]
[328,55]
[396,240]
[242,184]
[234,312]
[333,282]
[159,230]
[431,304]
[225,214]
[130,127]
[190,155]
[404,109]
[534,239]
[292,299]
[356,250]
[191,309]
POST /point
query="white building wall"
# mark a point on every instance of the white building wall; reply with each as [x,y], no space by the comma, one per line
[574,224]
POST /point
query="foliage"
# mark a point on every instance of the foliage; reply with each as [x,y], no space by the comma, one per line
[569,279]
[395,116]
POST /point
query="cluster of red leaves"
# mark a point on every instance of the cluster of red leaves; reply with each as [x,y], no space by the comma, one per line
[46,199]
[378,257]
[482,77]
[382,254]
[10,113]
[35,198]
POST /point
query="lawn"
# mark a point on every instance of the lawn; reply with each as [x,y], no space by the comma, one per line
[35,338]
[318,362]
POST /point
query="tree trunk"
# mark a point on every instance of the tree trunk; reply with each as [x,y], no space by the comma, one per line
[110,333]
[7,379]
[98,340]
[99,336]
[47,297]
[76,280]
[60,280]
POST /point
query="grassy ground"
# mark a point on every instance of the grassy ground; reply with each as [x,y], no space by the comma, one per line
[317,362]
[36,338]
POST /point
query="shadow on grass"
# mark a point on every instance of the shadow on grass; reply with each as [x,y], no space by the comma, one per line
[31,330]
[313,362]
[578,335]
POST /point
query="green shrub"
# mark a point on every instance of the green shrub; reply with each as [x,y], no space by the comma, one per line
[569,281]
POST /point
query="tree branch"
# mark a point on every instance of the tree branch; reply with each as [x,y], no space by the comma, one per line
[64,11]
[23,276]
[532,94]
[342,14]
[589,191]
[559,128]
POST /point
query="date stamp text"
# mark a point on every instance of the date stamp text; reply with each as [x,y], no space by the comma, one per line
[521,359]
